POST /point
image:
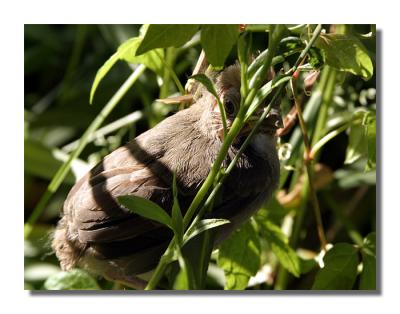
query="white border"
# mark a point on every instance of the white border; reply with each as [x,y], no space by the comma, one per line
[15,14]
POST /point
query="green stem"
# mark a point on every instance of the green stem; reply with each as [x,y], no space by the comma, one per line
[237,125]
[308,165]
[63,170]
[325,88]
[302,55]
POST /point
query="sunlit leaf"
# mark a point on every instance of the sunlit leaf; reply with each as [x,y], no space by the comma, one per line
[146,209]
[279,245]
[166,35]
[217,41]
[75,279]
[340,270]
[346,53]
[239,257]
[127,52]
[202,226]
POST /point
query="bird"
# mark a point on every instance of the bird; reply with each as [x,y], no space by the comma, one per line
[99,235]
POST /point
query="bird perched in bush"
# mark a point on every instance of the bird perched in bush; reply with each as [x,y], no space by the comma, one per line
[101,236]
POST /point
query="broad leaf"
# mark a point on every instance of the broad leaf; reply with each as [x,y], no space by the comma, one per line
[166,35]
[202,226]
[75,279]
[340,270]
[346,53]
[239,257]
[146,209]
[127,51]
[280,246]
[217,42]
[368,254]
[368,274]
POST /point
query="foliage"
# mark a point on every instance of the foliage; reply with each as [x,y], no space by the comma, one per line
[339,112]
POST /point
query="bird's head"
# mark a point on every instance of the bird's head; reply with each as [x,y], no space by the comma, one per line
[227,84]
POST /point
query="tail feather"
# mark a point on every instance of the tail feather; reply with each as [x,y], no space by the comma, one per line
[66,250]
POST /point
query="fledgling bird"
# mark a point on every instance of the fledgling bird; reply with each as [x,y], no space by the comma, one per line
[99,235]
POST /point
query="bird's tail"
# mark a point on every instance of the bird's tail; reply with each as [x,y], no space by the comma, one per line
[65,249]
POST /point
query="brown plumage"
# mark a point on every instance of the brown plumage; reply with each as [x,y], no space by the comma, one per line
[97,234]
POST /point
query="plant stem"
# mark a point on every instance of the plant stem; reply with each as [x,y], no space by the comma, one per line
[308,165]
[237,125]
[302,55]
[63,170]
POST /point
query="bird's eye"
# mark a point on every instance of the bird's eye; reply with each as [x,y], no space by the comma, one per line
[229,107]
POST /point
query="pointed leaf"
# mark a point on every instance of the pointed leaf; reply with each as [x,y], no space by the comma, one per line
[146,209]
[127,52]
[279,245]
[166,35]
[206,82]
[202,226]
[340,270]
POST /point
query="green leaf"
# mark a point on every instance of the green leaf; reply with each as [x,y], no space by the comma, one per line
[368,274]
[202,226]
[177,220]
[340,270]
[358,145]
[279,245]
[75,279]
[239,257]
[346,53]
[127,51]
[146,209]
[206,82]
[166,35]
[368,255]
[217,42]
[307,265]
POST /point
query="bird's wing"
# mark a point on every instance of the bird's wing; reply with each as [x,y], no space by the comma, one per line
[92,209]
